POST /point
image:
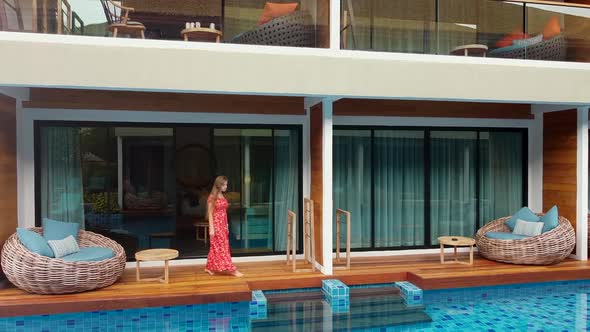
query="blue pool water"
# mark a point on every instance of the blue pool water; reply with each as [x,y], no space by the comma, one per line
[557,306]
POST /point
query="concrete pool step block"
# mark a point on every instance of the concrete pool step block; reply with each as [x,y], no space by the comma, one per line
[337,294]
[412,294]
[258,305]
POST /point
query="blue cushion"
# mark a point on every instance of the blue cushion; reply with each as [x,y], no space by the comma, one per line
[550,219]
[525,214]
[90,254]
[58,230]
[34,242]
[504,236]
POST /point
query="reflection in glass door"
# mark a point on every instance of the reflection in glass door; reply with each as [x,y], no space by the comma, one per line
[245,156]
[453,188]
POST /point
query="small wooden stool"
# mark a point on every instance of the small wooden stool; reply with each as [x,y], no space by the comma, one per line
[201,34]
[456,241]
[155,255]
[202,226]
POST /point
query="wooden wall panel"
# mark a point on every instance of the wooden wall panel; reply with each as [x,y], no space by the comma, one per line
[317,188]
[163,101]
[560,162]
[417,108]
[8,195]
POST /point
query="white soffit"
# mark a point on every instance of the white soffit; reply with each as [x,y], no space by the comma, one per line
[43,60]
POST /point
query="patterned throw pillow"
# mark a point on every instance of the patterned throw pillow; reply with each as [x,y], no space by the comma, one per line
[64,247]
[529,41]
[528,228]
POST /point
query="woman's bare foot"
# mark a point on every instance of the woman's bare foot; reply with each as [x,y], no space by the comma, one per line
[210,272]
[237,273]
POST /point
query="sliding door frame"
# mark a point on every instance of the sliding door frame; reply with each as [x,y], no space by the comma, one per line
[38,124]
[427,173]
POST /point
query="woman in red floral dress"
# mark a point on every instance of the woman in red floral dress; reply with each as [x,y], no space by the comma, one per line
[219,258]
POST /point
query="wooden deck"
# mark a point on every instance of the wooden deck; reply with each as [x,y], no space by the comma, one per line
[190,285]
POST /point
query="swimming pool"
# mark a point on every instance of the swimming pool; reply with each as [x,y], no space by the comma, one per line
[555,306]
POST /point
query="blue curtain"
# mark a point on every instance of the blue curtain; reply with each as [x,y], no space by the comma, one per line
[287,196]
[399,188]
[501,162]
[61,175]
[352,184]
[453,177]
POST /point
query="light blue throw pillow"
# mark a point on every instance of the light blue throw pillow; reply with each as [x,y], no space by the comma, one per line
[64,247]
[58,230]
[550,219]
[34,242]
[524,214]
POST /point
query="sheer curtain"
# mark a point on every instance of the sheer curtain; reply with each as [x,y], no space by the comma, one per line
[287,196]
[453,177]
[61,175]
[399,188]
[501,162]
[352,183]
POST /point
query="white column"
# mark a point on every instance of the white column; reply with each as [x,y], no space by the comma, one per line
[335,24]
[327,204]
[582,186]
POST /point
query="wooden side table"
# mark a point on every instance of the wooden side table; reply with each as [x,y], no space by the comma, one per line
[155,255]
[471,50]
[456,241]
[201,34]
[202,227]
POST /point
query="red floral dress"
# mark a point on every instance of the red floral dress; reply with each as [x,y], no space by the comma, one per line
[219,258]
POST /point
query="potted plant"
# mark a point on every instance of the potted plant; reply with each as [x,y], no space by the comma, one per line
[104,210]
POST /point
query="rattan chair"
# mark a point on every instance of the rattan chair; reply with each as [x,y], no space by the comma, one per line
[295,29]
[554,49]
[43,275]
[548,248]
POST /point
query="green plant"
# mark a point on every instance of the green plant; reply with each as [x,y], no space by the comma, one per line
[103,202]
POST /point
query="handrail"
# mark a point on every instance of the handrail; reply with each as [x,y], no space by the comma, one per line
[339,214]
[309,232]
[548,3]
[291,239]
[308,237]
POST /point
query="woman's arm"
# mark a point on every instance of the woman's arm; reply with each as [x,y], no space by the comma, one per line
[210,208]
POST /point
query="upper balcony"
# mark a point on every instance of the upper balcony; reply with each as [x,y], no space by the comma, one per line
[524,29]
[285,23]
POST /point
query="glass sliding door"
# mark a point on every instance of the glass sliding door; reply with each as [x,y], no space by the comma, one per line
[452,183]
[399,188]
[352,183]
[147,187]
[501,174]
[61,175]
[286,182]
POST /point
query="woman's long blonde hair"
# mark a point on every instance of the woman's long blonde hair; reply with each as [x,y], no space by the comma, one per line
[217,184]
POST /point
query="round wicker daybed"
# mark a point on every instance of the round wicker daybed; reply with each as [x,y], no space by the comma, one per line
[548,248]
[44,275]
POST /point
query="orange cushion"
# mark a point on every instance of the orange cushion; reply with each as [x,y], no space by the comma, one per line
[509,38]
[552,28]
[274,10]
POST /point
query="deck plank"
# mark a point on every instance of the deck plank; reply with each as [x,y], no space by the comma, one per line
[190,285]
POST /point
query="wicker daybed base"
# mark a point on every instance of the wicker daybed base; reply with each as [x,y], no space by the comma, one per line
[548,248]
[43,275]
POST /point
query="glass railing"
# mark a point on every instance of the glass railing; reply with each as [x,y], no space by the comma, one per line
[285,23]
[539,30]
